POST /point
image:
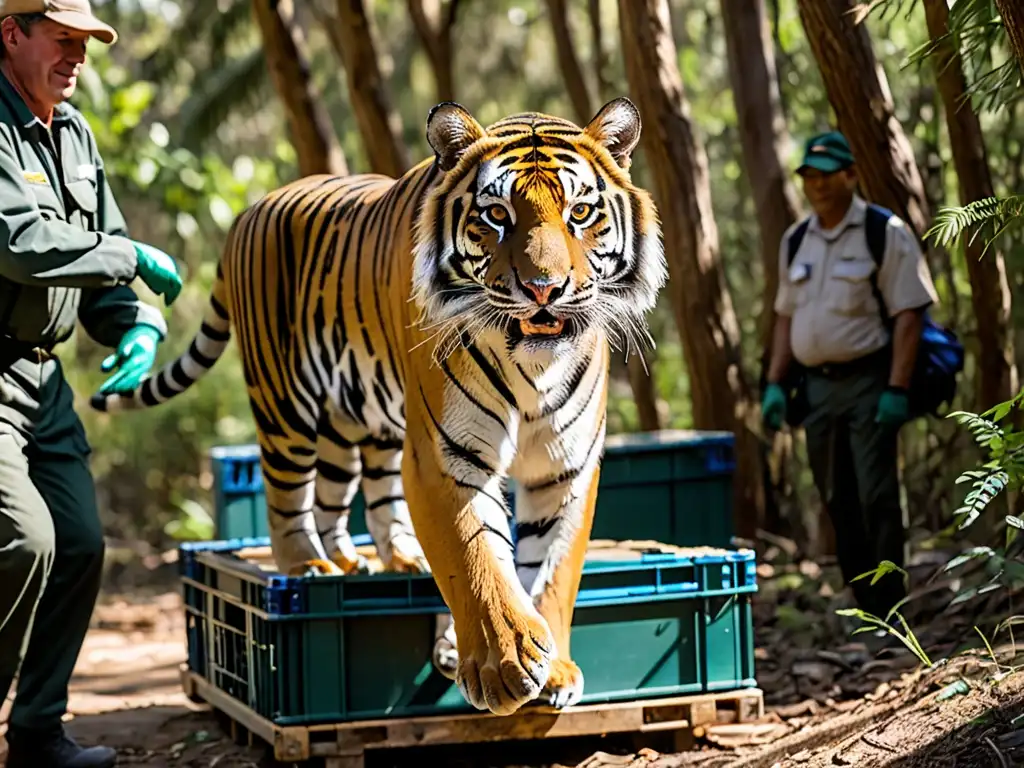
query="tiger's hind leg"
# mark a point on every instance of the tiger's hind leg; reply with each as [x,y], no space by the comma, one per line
[289,477]
[338,469]
[387,513]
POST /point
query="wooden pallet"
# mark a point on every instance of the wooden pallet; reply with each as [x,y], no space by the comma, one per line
[343,745]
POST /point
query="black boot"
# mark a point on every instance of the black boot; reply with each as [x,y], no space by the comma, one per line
[54,749]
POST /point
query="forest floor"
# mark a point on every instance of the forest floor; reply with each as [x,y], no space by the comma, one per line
[828,701]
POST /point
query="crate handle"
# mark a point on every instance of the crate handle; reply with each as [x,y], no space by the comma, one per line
[612,593]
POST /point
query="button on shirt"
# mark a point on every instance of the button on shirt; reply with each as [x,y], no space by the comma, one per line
[827,289]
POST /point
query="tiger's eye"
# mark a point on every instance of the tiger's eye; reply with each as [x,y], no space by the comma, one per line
[580,211]
[497,213]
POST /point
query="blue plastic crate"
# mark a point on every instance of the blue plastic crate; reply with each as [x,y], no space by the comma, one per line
[300,650]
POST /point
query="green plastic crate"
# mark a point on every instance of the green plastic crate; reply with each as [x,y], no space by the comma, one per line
[672,486]
[302,650]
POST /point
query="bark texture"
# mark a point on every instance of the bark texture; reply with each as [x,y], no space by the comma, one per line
[312,134]
[379,124]
[1012,12]
[990,288]
[859,92]
[701,302]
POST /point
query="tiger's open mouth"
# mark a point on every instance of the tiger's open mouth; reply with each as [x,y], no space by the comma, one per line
[542,326]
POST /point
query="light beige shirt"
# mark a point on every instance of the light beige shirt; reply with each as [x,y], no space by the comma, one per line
[827,290]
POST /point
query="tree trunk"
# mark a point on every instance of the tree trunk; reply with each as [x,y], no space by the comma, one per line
[568,62]
[379,125]
[600,61]
[1012,12]
[434,29]
[990,289]
[641,379]
[859,92]
[763,135]
[700,297]
[310,126]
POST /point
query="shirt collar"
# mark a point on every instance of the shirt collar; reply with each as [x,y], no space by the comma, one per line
[22,113]
[854,218]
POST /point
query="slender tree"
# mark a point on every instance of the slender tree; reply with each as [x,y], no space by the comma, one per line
[600,61]
[701,302]
[568,61]
[434,22]
[990,289]
[351,35]
[859,93]
[312,134]
[1012,12]
[763,136]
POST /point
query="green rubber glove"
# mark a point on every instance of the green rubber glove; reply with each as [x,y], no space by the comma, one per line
[773,406]
[134,358]
[893,407]
[158,271]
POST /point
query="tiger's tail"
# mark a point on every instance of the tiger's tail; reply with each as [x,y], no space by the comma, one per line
[178,375]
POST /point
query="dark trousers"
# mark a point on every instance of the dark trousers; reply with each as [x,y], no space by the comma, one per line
[51,543]
[854,463]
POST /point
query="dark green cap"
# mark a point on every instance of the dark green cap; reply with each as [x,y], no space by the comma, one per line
[827,152]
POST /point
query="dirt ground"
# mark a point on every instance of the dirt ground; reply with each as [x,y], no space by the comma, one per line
[829,702]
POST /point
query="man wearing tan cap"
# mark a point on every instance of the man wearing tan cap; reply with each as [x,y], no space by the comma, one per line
[65,257]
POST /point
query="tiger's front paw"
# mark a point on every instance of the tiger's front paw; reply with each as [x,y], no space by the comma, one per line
[349,565]
[506,663]
[565,685]
[316,568]
[405,556]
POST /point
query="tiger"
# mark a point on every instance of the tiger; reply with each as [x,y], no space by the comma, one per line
[435,335]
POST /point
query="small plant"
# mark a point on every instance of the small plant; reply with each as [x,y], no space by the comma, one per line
[908,638]
[874,623]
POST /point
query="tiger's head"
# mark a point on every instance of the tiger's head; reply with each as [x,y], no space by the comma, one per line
[536,234]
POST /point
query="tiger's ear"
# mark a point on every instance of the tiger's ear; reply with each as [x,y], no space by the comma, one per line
[617,127]
[450,132]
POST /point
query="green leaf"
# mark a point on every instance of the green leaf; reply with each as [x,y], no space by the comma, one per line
[971,554]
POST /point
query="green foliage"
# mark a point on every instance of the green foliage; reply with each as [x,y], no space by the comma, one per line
[907,637]
[990,218]
[1003,470]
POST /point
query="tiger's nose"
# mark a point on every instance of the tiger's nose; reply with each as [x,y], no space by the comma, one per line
[544,289]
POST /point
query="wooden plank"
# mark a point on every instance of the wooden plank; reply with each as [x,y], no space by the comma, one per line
[237,711]
[345,742]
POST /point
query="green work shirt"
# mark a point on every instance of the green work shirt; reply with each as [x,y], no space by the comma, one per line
[64,248]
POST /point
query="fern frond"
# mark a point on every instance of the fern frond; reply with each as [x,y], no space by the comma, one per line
[983,492]
[992,213]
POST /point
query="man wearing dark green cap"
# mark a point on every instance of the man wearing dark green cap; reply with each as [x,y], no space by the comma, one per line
[65,256]
[853,286]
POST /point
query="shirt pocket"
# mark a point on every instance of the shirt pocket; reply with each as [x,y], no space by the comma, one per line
[84,193]
[849,287]
[799,282]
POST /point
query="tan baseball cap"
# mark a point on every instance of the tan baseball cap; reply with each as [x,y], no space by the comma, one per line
[76,14]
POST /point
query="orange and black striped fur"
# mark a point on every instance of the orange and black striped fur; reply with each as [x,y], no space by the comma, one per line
[434,335]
